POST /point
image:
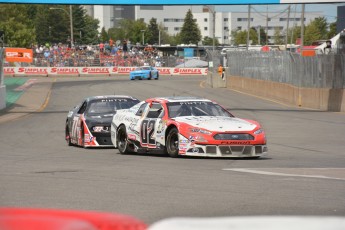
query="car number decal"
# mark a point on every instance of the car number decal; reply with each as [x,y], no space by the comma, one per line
[147,131]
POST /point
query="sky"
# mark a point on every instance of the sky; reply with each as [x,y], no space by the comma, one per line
[329,10]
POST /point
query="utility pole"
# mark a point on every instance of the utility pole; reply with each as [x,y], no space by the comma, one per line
[302,29]
[214,29]
[287,28]
[266,25]
[294,25]
[71,24]
[259,37]
[248,27]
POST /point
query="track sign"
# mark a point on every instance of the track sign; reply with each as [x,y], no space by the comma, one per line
[18,55]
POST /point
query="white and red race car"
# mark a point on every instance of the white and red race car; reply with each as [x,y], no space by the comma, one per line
[186,126]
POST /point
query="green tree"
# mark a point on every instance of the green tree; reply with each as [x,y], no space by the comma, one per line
[90,34]
[79,18]
[207,41]
[312,33]
[263,36]
[253,36]
[278,37]
[17,25]
[165,37]
[322,26]
[190,32]
[152,34]
[104,35]
[293,34]
[240,37]
[332,30]
[52,24]
[130,30]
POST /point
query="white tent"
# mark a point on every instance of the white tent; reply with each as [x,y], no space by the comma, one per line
[193,63]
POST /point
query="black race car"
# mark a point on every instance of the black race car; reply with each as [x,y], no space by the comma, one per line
[88,124]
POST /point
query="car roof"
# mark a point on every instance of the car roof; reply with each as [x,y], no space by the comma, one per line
[109,97]
[178,99]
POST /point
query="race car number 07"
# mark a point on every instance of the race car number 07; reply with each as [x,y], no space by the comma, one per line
[147,131]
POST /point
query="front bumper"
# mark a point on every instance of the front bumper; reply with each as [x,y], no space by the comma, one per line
[231,151]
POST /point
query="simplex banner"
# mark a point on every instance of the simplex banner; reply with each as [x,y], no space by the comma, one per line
[104,71]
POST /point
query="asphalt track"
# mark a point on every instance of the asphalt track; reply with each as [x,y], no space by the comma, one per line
[303,174]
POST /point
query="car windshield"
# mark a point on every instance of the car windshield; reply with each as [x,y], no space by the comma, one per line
[110,105]
[144,68]
[196,108]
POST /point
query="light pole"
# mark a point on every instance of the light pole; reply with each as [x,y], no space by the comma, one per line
[70,19]
[143,31]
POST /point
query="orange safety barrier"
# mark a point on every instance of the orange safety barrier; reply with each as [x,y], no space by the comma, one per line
[53,219]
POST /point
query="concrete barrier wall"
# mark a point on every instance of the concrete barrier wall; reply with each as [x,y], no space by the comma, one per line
[315,98]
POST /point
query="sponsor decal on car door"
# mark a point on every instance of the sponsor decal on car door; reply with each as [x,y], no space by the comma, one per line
[147,133]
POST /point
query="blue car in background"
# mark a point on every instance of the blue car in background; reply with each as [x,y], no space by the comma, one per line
[144,72]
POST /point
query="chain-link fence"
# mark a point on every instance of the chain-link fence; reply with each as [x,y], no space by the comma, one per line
[321,71]
[1,66]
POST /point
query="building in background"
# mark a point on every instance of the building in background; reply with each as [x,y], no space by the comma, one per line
[172,18]
[340,18]
[226,22]
[110,15]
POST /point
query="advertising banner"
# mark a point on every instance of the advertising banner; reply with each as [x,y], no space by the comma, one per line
[98,71]
[18,55]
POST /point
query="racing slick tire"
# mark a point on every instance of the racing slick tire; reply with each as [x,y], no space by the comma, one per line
[171,143]
[157,76]
[150,76]
[82,136]
[121,140]
[67,135]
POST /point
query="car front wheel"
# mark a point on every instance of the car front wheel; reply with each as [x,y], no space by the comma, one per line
[121,140]
[172,143]
[67,136]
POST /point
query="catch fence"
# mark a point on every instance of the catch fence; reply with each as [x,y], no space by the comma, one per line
[320,71]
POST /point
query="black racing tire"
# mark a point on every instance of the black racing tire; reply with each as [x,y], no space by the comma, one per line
[157,76]
[82,135]
[67,135]
[172,142]
[122,140]
[150,76]
[140,78]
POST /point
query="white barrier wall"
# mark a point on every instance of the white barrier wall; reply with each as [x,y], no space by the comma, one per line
[80,71]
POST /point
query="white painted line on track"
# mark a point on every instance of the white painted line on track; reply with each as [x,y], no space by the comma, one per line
[262,172]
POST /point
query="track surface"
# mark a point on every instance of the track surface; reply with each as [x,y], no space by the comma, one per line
[303,174]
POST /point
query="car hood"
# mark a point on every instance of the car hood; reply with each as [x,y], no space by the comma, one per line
[218,124]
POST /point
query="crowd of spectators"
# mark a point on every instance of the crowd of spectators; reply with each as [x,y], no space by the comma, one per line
[103,54]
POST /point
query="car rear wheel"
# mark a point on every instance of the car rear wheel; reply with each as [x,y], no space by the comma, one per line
[121,140]
[150,76]
[172,143]
[67,135]
[157,76]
